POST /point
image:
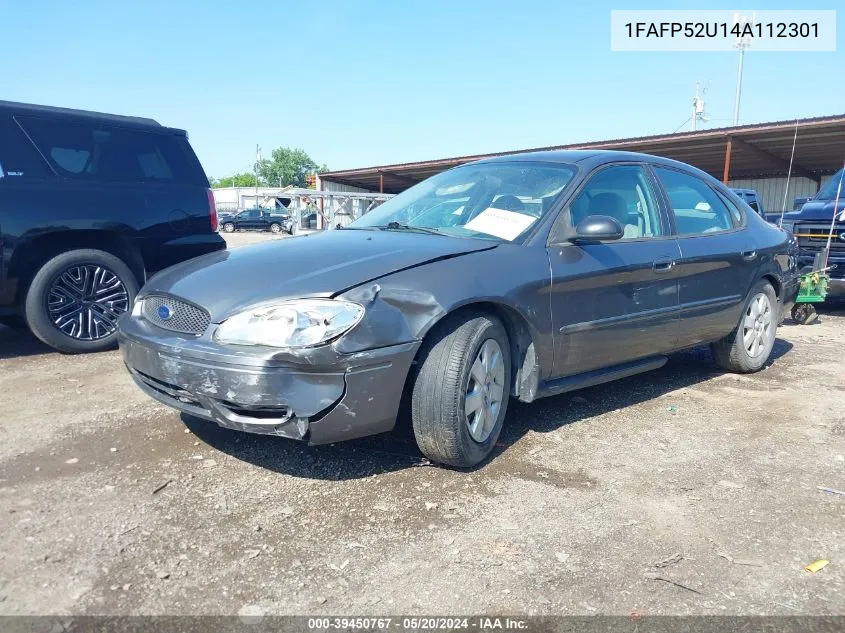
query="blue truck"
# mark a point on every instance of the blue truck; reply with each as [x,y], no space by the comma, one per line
[811,227]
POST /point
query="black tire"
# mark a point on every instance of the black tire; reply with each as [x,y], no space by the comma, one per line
[228,227]
[275,227]
[731,354]
[438,393]
[804,313]
[38,315]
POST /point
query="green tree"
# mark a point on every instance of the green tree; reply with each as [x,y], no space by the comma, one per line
[244,179]
[287,167]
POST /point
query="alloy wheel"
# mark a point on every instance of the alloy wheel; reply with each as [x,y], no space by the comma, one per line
[758,330]
[484,391]
[84,302]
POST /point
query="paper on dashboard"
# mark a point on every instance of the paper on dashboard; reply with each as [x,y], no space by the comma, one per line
[501,223]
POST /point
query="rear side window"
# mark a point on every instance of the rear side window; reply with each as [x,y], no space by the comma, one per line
[698,209]
[19,160]
[92,151]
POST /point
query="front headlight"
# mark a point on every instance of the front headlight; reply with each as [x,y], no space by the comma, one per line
[290,324]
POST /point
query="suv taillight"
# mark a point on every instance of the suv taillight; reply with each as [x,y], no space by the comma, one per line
[212,210]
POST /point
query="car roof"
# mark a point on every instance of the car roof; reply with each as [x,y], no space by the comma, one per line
[53,112]
[591,158]
[749,191]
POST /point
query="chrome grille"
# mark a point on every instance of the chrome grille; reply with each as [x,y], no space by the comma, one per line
[172,314]
[813,236]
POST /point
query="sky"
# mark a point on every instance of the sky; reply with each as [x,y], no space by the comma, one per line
[373,82]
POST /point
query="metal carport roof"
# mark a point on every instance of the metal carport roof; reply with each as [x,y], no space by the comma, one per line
[746,151]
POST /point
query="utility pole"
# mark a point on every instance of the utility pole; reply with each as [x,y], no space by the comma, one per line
[698,113]
[741,43]
[257,164]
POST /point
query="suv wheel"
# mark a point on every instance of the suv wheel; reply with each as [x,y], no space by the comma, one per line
[229,227]
[460,395]
[275,227]
[76,298]
[748,347]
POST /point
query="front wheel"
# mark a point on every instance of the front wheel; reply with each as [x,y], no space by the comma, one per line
[748,347]
[460,395]
[275,227]
[229,227]
[76,298]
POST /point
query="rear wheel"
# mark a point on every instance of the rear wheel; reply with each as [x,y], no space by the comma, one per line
[748,347]
[460,395]
[76,298]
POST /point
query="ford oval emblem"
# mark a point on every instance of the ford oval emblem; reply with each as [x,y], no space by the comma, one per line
[165,313]
[842,236]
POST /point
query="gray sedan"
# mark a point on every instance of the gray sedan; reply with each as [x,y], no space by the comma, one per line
[517,277]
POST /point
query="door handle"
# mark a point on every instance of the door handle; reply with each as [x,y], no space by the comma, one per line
[663,265]
[748,255]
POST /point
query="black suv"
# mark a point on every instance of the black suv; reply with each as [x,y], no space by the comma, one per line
[90,205]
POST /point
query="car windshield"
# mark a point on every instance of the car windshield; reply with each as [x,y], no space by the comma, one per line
[828,192]
[497,201]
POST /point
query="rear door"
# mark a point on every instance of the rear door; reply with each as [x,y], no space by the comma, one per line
[615,301]
[27,196]
[124,178]
[717,264]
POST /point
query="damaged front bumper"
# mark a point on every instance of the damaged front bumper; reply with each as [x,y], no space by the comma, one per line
[327,397]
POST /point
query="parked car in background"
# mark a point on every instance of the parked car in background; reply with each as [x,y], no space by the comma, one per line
[750,197]
[515,277]
[257,219]
[811,226]
[90,206]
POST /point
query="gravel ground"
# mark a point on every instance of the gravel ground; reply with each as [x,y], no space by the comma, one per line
[243,238]
[681,491]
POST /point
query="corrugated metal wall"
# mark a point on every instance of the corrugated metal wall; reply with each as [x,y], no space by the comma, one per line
[328,185]
[771,190]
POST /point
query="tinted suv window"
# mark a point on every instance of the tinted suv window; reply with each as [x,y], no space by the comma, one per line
[698,208]
[621,192]
[101,152]
[18,157]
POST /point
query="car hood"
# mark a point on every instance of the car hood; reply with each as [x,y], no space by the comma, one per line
[820,210]
[317,265]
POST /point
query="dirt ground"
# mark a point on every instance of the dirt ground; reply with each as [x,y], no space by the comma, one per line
[681,491]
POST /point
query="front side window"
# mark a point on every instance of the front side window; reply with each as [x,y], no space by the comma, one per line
[623,193]
[831,187]
[697,207]
[496,201]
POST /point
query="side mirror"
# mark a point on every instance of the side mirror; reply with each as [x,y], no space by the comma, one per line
[597,228]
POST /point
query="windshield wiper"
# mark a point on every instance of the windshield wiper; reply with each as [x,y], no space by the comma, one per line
[396,226]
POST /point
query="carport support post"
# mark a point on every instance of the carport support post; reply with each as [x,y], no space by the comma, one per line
[727,161]
[381,183]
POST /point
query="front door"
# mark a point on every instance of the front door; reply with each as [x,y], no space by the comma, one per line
[615,301]
[251,219]
[717,264]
